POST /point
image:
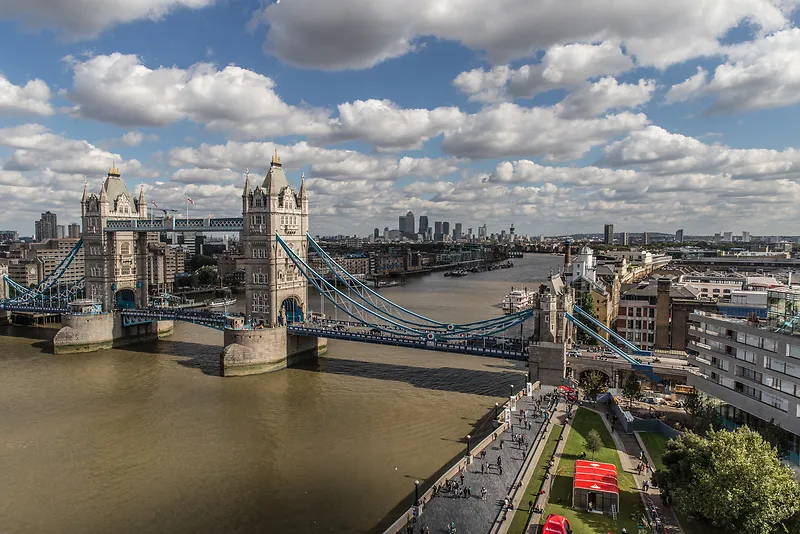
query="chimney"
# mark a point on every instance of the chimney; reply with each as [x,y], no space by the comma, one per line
[663,310]
[567,254]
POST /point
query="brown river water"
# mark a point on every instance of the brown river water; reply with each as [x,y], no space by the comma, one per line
[149,438]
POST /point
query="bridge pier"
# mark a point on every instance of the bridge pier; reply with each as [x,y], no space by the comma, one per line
[89,333]
[5,318]
[264,350]
[547,363]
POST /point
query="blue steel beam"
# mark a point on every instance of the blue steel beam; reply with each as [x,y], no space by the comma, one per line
[633,348]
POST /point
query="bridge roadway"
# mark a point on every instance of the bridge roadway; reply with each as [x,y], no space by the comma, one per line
[676,369]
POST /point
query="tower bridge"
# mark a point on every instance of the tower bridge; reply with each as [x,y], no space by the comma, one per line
[111,306]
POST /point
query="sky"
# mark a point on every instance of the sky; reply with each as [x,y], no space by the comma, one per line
[556,116]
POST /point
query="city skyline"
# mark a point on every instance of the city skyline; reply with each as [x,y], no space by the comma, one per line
[663,124]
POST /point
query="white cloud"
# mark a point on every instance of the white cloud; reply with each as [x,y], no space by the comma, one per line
[658,151]
[348,34]
[33,97]
[121,90]
[511,130]
[87,18]
[135,138]
[561,67]
[604,95]
[759,74]
[205,176]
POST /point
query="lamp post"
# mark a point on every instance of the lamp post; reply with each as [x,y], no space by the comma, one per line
[496,407]
[512,390]
[468,449]
[416,493]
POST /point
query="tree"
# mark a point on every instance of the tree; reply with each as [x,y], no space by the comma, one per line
[198,260]
[732,480]
[594,383]
[632,388]
[778,437]
[694,404]
[587,304]
[207,276]
[593,442]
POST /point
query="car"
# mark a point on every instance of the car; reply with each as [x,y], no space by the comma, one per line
[375,331]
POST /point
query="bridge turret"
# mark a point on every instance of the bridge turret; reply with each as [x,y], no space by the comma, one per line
[246,192]
[141,204]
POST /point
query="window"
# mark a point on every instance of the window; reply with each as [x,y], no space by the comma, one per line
[776,401]
[259,278]
[793,351]
[745,355]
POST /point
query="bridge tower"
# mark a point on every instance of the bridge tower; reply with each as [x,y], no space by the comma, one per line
[547,359]
[116,262]
[275,290]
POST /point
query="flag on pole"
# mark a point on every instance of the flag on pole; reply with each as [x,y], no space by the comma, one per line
[189,200]
[154,202]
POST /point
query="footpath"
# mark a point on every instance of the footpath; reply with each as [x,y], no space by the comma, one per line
[630,451]
[471,513]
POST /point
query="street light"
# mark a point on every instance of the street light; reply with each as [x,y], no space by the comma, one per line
[496,407]
[416,493]
[468,437]
[512,390]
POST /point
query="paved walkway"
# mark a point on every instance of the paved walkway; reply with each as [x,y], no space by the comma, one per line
[475,515]
[541,502]
[629,451]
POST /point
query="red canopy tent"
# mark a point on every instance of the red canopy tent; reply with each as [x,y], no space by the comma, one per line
[556,524]
[594,486]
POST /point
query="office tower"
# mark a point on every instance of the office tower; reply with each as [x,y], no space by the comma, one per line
[74,230]
[457,232]
[512,229]
[376,233]
[401,225]
[728,237]
[625,238]
[445,228]
[679,236]
[429,234]
[645,238]
[46,227]
[745,237]
[469,234]
[386,233]
[410,225]
[61,232]
[437,231]
[423,225]
[609,234]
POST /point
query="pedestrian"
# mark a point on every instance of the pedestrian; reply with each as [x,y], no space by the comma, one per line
[469,491]
[462,478]
[501,470]
[483,468]
[530,506]
[499,461]
[483,493]
[501,444]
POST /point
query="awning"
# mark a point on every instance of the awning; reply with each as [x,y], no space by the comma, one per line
[595,476]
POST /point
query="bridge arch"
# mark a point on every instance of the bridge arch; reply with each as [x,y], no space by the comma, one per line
[583,375]
[291,310]
[125,299]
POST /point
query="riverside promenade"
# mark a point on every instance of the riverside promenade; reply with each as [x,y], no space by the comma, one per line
[475,515]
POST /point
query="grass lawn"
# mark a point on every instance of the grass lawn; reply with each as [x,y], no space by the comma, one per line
[655,444]
[584,522]
[532,491]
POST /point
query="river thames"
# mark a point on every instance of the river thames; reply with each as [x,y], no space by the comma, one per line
[149,438]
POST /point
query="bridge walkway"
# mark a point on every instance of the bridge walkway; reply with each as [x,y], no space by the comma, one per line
[475,515]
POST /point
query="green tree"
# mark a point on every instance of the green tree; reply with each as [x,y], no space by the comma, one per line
[594,383]
[198,260]
[732,480]
[207,276]
[593,442]
[632,388]
[778,437]
[587,304]
[693,405]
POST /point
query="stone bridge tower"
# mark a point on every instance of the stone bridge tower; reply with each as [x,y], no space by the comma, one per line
[275,290]
[547,361]
[115,262]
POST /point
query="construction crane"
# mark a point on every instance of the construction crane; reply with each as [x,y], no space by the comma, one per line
[165,211]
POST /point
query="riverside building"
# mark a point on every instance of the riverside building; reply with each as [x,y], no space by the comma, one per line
[753,366]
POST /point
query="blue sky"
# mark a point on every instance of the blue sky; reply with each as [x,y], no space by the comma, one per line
[559,117]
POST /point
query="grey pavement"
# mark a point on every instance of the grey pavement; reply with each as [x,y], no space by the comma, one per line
[474,515]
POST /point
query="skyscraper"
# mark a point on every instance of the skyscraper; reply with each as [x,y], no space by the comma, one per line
[625,239]
[445,228]
[410,224]
[423,225]
[437,231]
[401,225]
[679,236]
[609,234]
[645,238]
[457,232]
[46,227]
[376,233]
[74,230]
[745,237]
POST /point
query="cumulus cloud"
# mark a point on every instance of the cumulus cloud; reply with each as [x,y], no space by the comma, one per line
[561,67]
[121,90]
[511,130]
[758,74]
[33,97]
[604,95]
[357,34]
[87,18]
[135,138]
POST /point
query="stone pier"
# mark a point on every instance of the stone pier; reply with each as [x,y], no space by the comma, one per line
[547,363]
[88,333]
[264,350]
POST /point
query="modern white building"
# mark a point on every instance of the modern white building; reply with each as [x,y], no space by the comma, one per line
[752,367]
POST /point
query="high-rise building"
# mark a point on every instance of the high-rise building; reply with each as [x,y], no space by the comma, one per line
[469,234]
[423,225]
[728,237]
[437,231]
[445,228]
[745,237]
[609,234]
[61,231]
[74,230]
[386,233]
[376,233]
[401,225]
[679,236]
[625,238]
[457,232]
[410,224]
[482,232]
[645,238]
[429,234]
[46,227]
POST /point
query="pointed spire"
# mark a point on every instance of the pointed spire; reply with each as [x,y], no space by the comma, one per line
[103,194]
[141,195]
[246,183]
[303,185]
[85,191]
